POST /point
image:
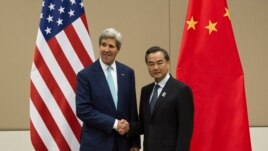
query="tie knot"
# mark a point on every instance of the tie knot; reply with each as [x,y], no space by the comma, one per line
[109,68]
[156,86]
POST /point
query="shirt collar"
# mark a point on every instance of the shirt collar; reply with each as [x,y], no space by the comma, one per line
[105,66]
[163,82]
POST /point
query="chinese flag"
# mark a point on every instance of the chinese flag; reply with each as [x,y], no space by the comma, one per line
[209,63]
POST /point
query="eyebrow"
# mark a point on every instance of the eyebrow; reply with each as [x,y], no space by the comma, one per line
[156,61]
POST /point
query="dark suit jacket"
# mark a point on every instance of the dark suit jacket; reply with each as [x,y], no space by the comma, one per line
[170,126]
[95,107]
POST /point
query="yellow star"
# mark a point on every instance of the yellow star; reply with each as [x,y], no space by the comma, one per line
[227,13]
[191,23]
[211,27]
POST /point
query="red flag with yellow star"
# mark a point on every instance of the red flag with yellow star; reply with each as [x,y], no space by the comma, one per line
[209,63]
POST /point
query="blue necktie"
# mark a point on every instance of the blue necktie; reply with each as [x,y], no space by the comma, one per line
[111,85]
[154,98]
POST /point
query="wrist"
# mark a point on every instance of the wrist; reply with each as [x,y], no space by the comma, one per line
[115,124]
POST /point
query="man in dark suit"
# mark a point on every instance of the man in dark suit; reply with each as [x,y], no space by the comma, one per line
[106,94]
[166,108]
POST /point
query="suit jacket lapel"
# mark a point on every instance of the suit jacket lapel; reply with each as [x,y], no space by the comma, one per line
[120,82]
[101,79]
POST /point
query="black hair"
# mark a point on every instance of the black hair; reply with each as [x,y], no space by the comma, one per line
[156,49]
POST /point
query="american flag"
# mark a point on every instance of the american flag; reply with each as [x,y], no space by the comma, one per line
[63,48]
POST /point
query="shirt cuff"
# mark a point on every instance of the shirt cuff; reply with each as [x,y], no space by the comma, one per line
[115,124]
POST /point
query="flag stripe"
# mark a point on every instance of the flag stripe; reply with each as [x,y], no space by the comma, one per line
[42,130]
[53,108]
[82,32]
[59,97]
[36,139]
[84,22]
[46,116]
[77,45]
[55,69]
[69,51]
[63,61]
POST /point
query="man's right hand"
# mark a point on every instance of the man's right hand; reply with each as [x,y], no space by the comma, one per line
[122,126]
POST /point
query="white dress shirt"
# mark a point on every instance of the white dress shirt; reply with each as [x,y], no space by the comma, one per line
[161,84]
[114,73]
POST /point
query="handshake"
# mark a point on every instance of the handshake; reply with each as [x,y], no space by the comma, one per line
[122,126]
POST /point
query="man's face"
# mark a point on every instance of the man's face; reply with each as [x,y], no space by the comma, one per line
[157,65]
[108,50]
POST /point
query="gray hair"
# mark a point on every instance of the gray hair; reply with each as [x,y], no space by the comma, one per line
[113,34]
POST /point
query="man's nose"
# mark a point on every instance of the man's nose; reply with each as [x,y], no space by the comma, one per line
[106,48]
[155,67]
